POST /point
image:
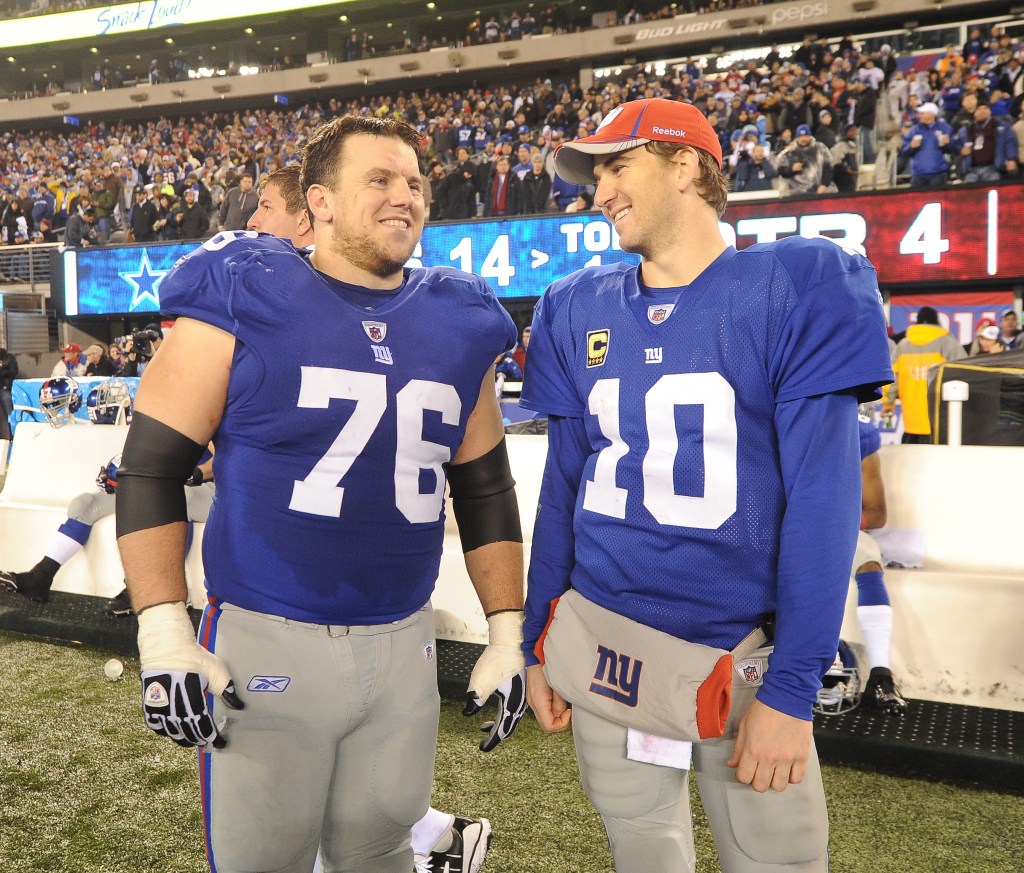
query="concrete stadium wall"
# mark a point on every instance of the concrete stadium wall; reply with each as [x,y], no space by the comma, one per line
[607,46]
[959,620]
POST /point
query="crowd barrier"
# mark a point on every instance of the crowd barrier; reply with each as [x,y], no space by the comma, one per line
[958,619]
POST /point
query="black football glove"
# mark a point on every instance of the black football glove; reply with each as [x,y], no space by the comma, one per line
[176,673]
[500,670]
[511,696]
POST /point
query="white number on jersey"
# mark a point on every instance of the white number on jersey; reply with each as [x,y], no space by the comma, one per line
[718,442]
[321,492]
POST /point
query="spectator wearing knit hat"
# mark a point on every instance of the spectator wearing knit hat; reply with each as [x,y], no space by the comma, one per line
[806,164]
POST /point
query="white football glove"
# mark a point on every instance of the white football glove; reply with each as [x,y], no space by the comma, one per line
[500,670]
[176,673]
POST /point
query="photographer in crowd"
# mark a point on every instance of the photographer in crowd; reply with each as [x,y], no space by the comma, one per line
[139,350]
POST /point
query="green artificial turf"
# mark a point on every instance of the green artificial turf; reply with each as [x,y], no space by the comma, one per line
[84,788]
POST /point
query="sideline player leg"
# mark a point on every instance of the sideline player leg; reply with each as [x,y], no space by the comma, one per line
[874,613]
[83,512]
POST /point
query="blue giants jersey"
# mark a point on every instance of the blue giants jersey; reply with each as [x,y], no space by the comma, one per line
[338,423]
[678,514]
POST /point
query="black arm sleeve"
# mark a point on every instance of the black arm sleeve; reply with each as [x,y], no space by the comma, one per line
[155,463]
[484,500]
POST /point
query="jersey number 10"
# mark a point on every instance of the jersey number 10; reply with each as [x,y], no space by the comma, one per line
[718,443]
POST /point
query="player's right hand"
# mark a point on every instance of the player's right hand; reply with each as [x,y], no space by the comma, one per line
[176,673]
[552,711]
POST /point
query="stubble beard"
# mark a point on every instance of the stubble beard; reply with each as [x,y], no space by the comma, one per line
[368,254]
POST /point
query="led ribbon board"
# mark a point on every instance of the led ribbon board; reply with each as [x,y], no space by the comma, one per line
[960,235]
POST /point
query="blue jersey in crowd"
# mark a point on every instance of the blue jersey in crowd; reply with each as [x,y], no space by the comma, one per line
[338,423]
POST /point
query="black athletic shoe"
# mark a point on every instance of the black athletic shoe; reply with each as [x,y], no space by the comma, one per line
[27,584]
[471,838]
[119,605]
[882,694]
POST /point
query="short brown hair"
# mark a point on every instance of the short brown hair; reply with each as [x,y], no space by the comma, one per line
[322,153]
[287,181]
[711,184]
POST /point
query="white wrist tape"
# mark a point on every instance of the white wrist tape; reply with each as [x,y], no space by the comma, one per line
[167,642]
[503,657]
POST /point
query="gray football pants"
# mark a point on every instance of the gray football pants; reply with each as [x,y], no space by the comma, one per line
[646,808]
[334,749]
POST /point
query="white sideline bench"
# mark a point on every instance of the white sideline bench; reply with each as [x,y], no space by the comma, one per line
[48,467]
[958,634]
[959,621]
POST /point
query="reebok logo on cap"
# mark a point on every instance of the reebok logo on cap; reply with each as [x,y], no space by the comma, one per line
[634,124]
[668,131]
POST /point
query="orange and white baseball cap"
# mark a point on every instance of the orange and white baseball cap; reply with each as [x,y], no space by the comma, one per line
[634,124]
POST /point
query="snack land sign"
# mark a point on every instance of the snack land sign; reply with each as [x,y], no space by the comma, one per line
[133,17]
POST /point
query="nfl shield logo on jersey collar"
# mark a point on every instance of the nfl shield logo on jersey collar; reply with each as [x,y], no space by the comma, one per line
[659,312]
[375,330]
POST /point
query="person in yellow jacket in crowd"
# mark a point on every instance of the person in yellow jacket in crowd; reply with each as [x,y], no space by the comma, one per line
[926,343]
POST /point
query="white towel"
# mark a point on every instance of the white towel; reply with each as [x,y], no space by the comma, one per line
[662,751]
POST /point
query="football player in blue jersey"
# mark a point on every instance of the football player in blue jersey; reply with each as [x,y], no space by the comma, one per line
[700,501]
[339,405]
[439,838]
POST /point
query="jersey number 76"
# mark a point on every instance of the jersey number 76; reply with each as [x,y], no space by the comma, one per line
[321,492]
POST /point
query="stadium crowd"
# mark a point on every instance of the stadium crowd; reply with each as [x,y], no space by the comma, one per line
[806,124]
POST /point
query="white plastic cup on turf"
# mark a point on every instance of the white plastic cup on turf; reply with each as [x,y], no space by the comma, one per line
[113,669]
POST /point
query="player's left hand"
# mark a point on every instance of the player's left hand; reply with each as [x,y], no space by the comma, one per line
[500,670]
[771,750]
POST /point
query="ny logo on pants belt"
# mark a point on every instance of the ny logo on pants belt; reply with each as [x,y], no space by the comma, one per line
[617,676]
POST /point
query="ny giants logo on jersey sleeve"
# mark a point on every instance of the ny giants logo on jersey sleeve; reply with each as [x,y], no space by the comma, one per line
[617,677]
